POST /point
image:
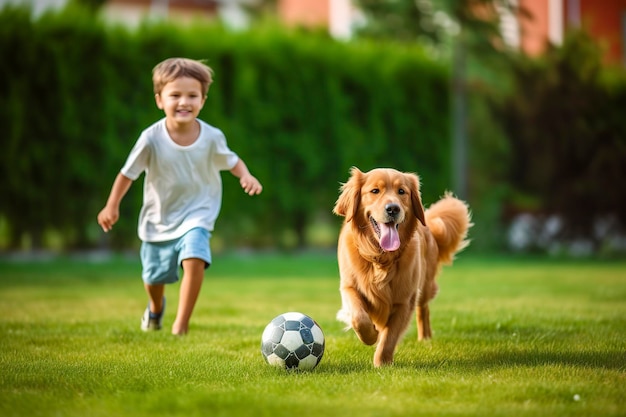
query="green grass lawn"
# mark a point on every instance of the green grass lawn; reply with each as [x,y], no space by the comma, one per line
[512,337]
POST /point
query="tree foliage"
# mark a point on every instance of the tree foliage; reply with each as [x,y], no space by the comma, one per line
[562,147]
[436,22]
[568,138]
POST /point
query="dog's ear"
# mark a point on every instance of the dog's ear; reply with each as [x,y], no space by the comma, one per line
[416,201]
[347,204]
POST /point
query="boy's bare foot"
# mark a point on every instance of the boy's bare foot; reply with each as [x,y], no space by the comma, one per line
[178,330]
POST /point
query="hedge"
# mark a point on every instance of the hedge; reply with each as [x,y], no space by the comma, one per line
[298,107]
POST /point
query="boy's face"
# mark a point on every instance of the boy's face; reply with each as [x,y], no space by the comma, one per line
[181,100]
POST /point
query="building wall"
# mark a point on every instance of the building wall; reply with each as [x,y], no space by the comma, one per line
[605,20]
[309,13]
[535,27]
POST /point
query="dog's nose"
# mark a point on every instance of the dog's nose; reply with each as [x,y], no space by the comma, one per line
[392,209]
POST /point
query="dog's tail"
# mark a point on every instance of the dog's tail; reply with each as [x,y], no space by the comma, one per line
[449,220]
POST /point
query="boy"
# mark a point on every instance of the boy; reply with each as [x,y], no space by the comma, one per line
[182,157]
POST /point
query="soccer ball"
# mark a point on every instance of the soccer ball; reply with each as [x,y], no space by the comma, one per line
[293,341]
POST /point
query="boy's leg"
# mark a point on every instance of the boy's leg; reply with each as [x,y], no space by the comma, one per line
[193,275]
[160,267]
[153,316]
[155,293]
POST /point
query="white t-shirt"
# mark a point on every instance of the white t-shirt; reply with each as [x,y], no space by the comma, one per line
[182,187]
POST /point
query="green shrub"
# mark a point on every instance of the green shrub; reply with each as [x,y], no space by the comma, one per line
[299,108]
[568,139]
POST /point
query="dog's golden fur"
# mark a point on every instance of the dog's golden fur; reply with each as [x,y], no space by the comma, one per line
[389,251]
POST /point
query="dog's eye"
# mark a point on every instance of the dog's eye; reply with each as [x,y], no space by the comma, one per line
[375,191]
[401,191]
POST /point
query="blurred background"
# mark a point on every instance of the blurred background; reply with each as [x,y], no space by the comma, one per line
[517,106]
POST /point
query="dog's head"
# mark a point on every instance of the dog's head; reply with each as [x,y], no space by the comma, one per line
[382,203]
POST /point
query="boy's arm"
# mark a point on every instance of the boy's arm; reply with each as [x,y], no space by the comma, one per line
[109,215]
[248,182]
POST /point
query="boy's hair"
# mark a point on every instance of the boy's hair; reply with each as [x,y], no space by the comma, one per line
[173,68]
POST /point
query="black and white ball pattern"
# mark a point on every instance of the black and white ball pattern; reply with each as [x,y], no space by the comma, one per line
[293,341]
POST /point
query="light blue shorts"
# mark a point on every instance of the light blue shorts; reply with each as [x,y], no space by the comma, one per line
[161,260]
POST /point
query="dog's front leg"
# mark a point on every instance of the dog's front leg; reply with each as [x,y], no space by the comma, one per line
[354,313]
[390,335]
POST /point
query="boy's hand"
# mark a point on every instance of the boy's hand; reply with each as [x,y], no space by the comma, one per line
[250,184]
[108,217]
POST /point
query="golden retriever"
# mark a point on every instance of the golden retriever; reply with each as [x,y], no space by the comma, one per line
[389,251]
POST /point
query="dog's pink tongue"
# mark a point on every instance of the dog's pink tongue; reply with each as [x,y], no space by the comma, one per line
[389,239]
